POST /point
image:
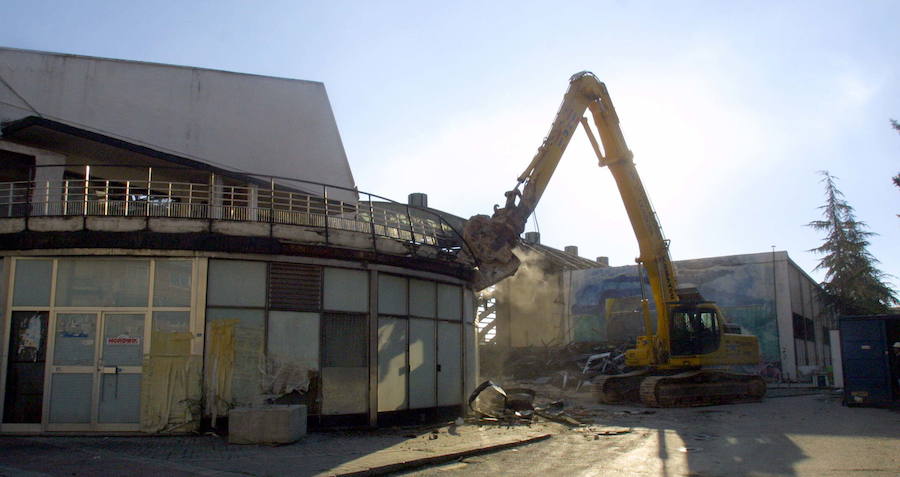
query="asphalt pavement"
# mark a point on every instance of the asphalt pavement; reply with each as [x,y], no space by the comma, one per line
[809,434]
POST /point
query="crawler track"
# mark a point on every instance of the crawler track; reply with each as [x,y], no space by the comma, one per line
[685,389]
[701,388]
[617,388]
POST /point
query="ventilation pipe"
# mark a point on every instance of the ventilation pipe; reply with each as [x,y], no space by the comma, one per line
[418,199]
[572,250]
[603,261]
[533,237]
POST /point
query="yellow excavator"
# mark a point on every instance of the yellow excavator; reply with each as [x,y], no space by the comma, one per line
[681,362]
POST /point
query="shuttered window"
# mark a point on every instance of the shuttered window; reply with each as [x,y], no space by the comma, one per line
[295,287]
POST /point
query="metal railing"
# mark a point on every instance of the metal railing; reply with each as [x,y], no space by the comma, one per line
[151,198]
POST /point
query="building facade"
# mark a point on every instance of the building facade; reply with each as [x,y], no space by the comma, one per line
[767,294]
[178,242]
[550,303]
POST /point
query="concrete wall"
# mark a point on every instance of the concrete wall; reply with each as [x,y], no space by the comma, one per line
[256,348]
[810,355]
[240,122]
[761,292]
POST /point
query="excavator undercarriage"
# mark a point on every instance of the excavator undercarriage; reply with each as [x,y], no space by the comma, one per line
[679,388]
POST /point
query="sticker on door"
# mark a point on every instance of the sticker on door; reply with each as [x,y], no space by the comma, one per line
[123,340]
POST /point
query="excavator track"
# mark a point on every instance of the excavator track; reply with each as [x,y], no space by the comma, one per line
[617,388]
[701,388]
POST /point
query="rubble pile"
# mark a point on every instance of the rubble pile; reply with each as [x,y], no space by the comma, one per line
[492,403]
[565,367]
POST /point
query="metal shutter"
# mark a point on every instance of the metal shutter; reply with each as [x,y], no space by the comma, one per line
[295,287]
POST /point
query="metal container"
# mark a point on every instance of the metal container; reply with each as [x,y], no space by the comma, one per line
[866,342]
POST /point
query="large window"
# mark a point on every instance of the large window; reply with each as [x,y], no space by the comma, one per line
[104,311]
[345,342]
[419,343]
[102,283]
[235,329]
[694,331]
[804,329]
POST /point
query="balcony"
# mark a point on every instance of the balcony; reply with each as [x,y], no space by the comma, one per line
[372,215]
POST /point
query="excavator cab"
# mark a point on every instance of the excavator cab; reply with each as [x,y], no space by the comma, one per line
[694,330]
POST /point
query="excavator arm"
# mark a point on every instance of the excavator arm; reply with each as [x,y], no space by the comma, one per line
[653,246]
[492,239]
[669,374]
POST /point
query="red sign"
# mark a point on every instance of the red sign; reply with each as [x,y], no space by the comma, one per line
[123,340]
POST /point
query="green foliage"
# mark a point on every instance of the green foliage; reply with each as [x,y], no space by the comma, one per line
[896,126]
[853,285]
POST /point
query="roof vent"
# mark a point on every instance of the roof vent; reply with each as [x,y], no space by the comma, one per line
[418,199]
[603,261]
[533,237]
[572,250]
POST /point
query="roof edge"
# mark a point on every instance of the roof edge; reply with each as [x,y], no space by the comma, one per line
[152,63]
[10,128]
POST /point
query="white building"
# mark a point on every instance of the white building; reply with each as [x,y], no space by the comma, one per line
[178,241]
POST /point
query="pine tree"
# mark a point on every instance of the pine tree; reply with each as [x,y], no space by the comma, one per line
[896,127]
[853,284]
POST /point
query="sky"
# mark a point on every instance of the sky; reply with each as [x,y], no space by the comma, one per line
[731,108]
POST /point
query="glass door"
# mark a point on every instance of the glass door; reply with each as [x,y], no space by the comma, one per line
[95,372]
[119,368]
[72,371]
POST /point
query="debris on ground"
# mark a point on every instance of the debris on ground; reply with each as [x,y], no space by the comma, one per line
[493,402]
[560,418]
[636,412]
[566,367]
[613,431]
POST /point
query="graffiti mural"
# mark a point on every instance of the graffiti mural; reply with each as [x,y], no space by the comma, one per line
[605,302]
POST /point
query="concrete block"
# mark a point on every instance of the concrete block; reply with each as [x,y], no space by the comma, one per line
[266,425]
[11,226]
[245,229]
[56,224]
[427,251]
[298,233]
[169,226]
[116,224]
[355,240]
[391,246]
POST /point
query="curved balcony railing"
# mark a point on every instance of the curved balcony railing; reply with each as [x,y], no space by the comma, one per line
[375,215]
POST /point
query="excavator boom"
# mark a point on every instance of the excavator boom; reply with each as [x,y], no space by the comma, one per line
[493,238]
[690,333]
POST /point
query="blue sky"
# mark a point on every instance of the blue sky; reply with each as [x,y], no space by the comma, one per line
[729,107]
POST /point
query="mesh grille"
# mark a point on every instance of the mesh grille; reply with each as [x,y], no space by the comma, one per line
[345,340]
[295,287]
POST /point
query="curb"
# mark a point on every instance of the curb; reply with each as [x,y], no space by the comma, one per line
[440,459]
